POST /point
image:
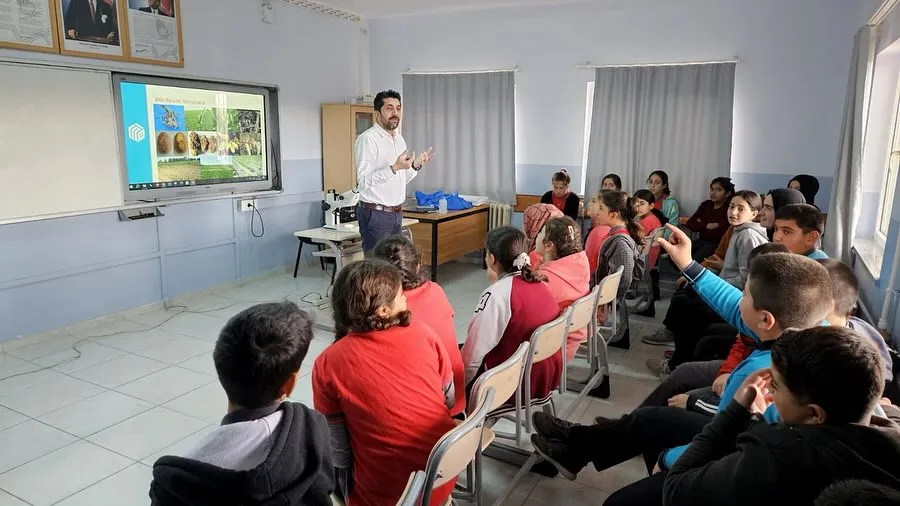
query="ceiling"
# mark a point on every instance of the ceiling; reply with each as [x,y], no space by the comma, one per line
[386,8]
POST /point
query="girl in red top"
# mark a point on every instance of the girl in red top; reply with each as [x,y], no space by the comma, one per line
[428,303]
[567,270]
[385,386]
[564,200]
[710,221]
[509,311]
[649,217]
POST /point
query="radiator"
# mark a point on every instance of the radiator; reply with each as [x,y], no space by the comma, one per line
[500,215]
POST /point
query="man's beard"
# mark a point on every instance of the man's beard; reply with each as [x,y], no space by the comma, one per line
[392,124]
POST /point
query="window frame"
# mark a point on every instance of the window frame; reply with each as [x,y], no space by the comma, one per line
[889,178]
[588,118]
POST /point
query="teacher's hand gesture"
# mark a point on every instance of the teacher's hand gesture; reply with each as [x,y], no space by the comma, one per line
[404,161]
[422,159]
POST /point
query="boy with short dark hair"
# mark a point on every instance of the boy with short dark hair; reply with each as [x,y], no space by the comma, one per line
[825,383]
[267,450]
[799,227]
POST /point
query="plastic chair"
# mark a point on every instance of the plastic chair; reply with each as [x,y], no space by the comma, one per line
[641,290]
[546,341]
[414,488]
[457,448]
[583,316]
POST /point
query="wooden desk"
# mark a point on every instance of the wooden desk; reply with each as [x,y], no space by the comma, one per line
[342,242]
[445,237]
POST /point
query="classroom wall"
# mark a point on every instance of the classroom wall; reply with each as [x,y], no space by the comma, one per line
[789,88]
[58,272]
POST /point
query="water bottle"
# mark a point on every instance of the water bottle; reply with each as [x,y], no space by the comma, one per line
[442,206]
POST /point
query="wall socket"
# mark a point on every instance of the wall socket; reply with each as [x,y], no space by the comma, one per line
[245,205]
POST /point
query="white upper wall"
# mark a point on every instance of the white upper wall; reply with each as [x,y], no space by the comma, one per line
[789,90]
[311,57]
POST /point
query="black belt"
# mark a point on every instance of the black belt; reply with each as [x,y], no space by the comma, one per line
[379,207]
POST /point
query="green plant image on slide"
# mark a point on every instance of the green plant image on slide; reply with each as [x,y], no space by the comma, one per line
[191,170]
[201,119]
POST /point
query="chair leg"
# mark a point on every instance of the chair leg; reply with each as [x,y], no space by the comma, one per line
[476,485]
[519,414]
[527,402]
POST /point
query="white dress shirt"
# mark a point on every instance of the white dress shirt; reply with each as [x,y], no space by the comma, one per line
[376,150]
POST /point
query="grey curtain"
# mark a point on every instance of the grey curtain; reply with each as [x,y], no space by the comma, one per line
[846,195]
[470,121]
[675,118]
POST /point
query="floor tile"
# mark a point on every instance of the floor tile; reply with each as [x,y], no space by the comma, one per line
[88,354]
[207,403]
[9,418]
[316,347]
[303,391]
[177,350]
[180,448]
[614,478]
[137,341]
[95,414]
[206,304]
[48,396]
[196,325]
[8,500]
[109,329]
[58,475]
[202,364]
[163,386]
[45,348]
[121,370]
[234,307]
[147,433]
[562,492]
[129,486]
[28,441]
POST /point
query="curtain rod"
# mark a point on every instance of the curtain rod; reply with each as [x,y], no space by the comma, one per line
[472,71]
[882,12]
[667,64]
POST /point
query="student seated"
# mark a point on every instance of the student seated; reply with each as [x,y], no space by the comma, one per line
[595,238]
[658,183]
[689,316]
[509,311]
[807,185]
[533,220]
[611,182]
[650,219]
[560,196]
[385,386]
[783,291]
[799,227]
[775,200]
[825,383]
[566,268]
[428,304]
[710,221]
[267,450]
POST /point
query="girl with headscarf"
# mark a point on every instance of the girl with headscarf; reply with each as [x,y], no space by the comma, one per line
[807,185]
[535,217]
[775,200]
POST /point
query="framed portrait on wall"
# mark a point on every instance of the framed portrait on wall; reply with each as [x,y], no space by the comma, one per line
[154,32]
[91,28]
[29,24]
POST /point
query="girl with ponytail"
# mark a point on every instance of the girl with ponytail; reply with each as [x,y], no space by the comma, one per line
[509,311]
[622,245]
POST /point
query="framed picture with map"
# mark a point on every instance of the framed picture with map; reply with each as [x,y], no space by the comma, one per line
[29,24]
[91,28]
[154,32]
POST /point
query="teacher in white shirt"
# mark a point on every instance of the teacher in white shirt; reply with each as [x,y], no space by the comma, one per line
[383,168]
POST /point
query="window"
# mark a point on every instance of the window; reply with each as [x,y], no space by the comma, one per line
[588,114]
[890,178]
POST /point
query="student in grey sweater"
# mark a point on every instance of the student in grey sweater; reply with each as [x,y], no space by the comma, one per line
[742,211]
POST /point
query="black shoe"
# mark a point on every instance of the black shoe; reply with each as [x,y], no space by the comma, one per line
[650,312]
[558,454]
[551,427]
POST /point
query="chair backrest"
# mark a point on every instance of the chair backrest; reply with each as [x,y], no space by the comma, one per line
[609,287]
[413,490]
[456,449]
[547,339]
[504,379]
[583,310]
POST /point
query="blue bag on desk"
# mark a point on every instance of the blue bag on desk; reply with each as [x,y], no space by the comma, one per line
[454,201]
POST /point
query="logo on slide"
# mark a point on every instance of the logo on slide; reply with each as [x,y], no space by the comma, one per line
[136,132]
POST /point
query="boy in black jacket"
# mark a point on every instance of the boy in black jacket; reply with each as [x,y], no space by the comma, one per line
[267,451]
[825,382]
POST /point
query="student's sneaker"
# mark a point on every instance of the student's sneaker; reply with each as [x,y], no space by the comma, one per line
[659,367]
[551,427]
[662,337]
[558,454]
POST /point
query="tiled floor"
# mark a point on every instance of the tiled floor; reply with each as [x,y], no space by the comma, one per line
[83,418]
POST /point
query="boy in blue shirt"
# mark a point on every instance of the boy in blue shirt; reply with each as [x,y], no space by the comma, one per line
[799,227]
[783,291]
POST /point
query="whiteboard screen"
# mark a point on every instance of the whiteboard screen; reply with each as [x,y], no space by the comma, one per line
[58,143]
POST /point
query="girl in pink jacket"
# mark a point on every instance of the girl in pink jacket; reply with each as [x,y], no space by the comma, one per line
[566,268]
